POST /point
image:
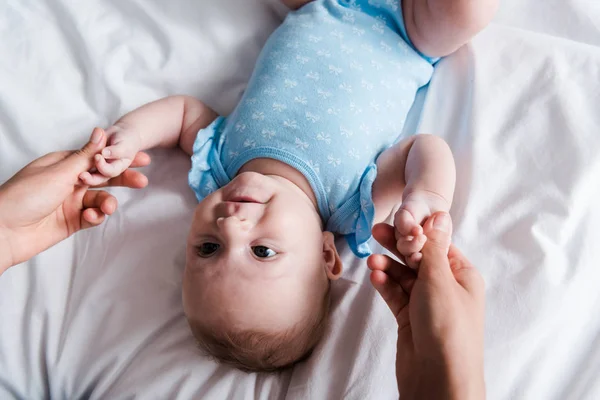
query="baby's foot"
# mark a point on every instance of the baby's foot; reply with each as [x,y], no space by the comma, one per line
[414,211]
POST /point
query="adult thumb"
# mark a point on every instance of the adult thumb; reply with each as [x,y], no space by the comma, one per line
[83,160]
[438,230]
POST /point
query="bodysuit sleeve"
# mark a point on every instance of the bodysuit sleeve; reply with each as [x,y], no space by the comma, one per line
[354,218]
[202,177]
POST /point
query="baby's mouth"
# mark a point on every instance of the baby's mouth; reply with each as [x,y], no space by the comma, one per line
[244,199]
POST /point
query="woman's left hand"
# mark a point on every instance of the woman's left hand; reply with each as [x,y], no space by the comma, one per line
[46,202]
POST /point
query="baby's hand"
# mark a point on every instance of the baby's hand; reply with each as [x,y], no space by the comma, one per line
[122,146]
[409,236]
[416,208]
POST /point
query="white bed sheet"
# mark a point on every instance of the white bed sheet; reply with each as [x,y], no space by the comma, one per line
[99,316]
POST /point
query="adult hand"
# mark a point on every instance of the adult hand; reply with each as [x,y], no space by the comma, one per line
[46,202]
[440,313]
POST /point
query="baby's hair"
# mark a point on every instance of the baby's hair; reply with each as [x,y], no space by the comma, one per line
[256,351]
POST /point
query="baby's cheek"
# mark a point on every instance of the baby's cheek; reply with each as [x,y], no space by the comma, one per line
[197,286]
[204,216]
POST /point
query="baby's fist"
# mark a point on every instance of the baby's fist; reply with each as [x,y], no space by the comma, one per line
[122,146]
[409,237]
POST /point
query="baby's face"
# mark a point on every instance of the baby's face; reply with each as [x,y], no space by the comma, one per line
[254,256]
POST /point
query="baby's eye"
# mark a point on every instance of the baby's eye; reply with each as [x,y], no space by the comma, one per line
[207,249]
[263,252]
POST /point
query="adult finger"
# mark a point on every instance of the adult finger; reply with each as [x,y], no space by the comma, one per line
[465,273]
[384,234]
[399,273]
[50,158]
[141,159]
[101,200]
[129,178]
[83,159]
[434,261]
[391,292]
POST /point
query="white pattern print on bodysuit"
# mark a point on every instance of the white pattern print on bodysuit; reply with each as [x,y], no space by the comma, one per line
[332,91]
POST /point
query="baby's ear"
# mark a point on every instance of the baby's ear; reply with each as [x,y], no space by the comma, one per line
[331,258]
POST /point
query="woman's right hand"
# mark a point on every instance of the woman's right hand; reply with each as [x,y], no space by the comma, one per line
[440,315]
[46,202]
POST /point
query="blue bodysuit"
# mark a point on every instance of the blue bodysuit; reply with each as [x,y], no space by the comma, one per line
[330,92]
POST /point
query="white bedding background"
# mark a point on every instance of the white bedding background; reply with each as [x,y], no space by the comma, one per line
[99,316]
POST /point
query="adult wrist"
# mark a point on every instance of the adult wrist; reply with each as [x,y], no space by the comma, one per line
[5,253]
[470,387]
[435,381]
[6,256]
[465,376]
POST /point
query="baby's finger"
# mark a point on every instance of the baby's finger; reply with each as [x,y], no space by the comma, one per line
[111,169]
[392,293]
[91,217]
[100,200]
[417,230]
[118,150]
[141,159]
[409,246]
[112,152]
[92,179]
[414,259]
[399,273]
[405,224]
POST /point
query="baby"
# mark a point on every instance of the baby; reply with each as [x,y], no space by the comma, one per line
[311,150]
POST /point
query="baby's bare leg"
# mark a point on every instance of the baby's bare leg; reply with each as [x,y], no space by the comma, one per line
[295,4]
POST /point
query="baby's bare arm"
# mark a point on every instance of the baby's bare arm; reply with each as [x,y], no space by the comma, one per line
[419,163]
[168,122]
[163,123]
[439,27]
